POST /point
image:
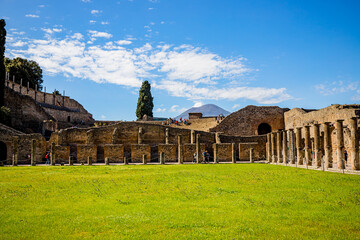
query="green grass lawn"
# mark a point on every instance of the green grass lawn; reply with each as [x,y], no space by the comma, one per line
[223,201]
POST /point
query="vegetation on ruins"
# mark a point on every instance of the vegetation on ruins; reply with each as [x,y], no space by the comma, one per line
[56,92]
[2,57]
[27,70]
[145,102]
[224,201]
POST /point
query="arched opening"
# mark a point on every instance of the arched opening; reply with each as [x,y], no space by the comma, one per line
[3,152]
[68,118]
[264,128]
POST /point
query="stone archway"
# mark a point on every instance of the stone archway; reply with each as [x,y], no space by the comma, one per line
[264,128]
[3,152]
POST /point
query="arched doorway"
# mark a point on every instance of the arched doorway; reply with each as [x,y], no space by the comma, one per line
[3,152]
[264,128]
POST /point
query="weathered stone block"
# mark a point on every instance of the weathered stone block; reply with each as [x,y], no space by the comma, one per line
[244,151]
[62,153]
[137,152]
[223,152]
[115,152]
[85,151]
[169,150]
[190,149]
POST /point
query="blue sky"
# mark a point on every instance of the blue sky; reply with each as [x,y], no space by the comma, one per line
[193,52]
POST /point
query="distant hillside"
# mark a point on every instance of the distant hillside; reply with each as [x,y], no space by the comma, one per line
[207,110]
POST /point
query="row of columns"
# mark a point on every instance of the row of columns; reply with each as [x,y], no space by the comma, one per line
[279,139]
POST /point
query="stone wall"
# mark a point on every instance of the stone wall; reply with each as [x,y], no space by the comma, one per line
[137,152]
[223,152]
[244,151]
[115,152]
[62,154]
[245,122]
[170,151]
[190,149]
[84,151]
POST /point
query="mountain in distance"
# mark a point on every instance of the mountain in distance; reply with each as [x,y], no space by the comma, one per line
[208,110]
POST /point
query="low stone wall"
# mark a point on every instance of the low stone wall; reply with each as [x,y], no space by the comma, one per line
[190,149]
[84,151]
[137,152]
[62,154]
[244,151]
[170,151]
[115,152]
[223,152]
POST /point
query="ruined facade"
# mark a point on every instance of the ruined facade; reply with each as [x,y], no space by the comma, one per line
[252,120]
[34,111]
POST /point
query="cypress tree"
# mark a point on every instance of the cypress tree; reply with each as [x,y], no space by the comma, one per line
[145,103]
[2,58]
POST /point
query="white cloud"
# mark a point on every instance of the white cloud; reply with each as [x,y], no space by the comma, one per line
[151,9]
[103,117]
[176,109]
[18,44]
[183,71]
[41,6]
[159,110]
[198,104]
[86,1]
[123,42]
[336,87]
[95,34]
[95,12]
[236,106]
[57,30]
[32,16]
[104,23]
[92,21]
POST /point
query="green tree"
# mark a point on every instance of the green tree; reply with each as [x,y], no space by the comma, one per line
[2,57]
[27,70]
[145,103]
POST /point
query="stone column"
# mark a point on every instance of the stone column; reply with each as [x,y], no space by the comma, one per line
[354,154]
[268,147]
[52,154]
[273,139]
[54,96]
[106,161]
[327,146]
[15,151]
[198,150]
[166,136]
[216,160]
[340,144]
[278,144]
[317,149]
[140,139]
[27,89]
[71,161]
[114,135]
[144,159]
[291,146]
[251,155]
[299,152]
[307,146]
[192,137]
[284,147]
[162,158]
[89,160]
[233,156]
[126,161]
[217,138]
[33,152]
[180,151]
[13,84]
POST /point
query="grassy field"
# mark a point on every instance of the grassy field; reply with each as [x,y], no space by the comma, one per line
[224,201]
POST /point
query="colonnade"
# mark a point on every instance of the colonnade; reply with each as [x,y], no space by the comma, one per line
[287,146]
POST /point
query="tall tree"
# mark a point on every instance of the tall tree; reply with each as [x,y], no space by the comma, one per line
[27,70]
[2,57]
[145,103]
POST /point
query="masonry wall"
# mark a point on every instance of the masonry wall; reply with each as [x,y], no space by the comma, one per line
[246,121]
